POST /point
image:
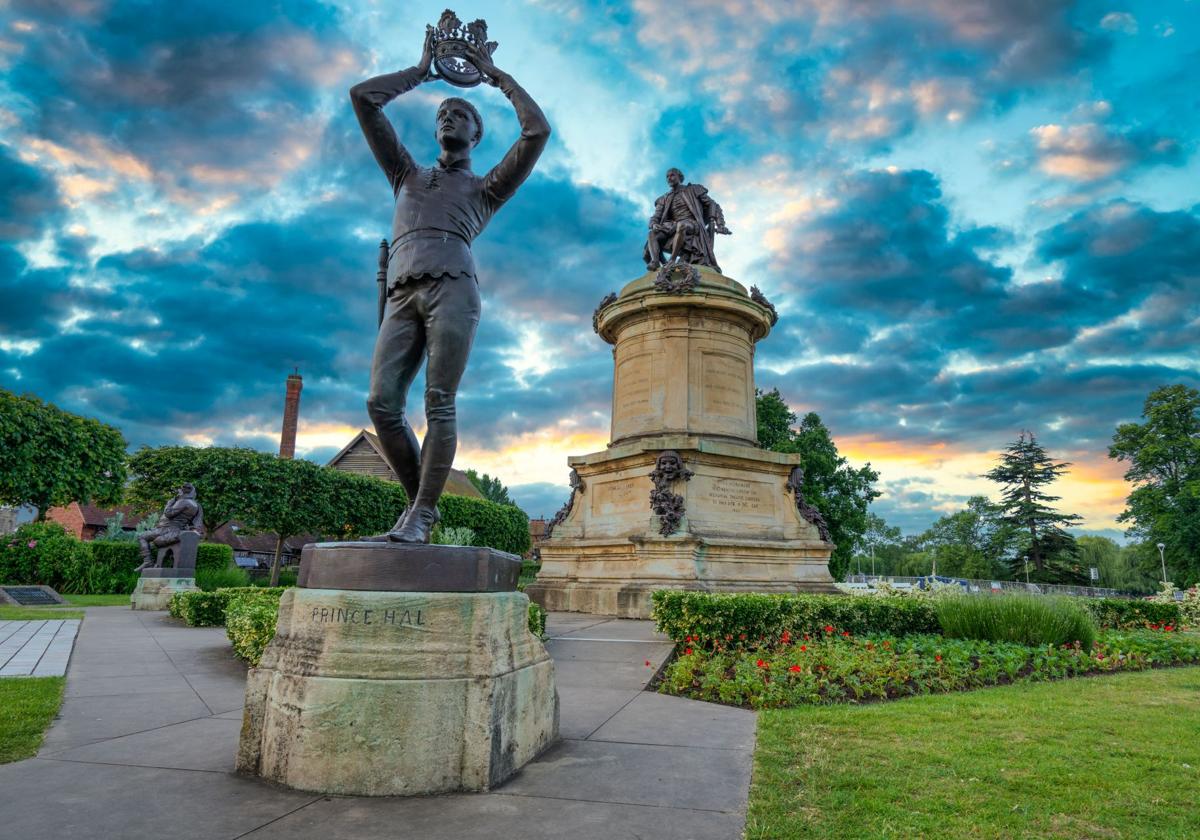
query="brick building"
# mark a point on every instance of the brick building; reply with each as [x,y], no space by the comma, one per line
[88,521]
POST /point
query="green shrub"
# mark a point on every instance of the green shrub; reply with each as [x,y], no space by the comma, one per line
[207,609]
[1023,619]
[502,527]
[1122,614]
[537,620]
[213,556]
[114,567]
[227,578]
[834,669]
[250,626]
[752,620]
[43,553]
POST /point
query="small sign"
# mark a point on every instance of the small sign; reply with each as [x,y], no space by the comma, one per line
[31,596]
[1094,572]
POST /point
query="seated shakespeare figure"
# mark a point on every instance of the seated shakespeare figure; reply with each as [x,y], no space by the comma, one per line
[182,513]
[683,226]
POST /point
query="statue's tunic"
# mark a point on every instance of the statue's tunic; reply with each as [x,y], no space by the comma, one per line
[439,210]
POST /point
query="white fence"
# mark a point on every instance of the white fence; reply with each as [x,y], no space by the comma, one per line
[866,582]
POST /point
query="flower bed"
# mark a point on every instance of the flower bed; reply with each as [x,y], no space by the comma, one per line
[749,621]
[833,666]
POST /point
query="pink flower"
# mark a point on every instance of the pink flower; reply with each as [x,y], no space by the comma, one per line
[33,543]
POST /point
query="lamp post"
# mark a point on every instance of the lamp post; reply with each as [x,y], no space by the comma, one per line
[1161,546]
[872,559]
[1026,569]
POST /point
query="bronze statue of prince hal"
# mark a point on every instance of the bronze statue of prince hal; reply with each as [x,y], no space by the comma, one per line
[431,307]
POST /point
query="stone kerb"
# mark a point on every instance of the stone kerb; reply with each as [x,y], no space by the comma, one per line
[382,693]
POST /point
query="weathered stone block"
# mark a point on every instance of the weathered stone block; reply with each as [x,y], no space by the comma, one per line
[153,591]
[398,693]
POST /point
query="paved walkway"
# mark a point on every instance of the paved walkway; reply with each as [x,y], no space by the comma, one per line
[144,746]
[36,648]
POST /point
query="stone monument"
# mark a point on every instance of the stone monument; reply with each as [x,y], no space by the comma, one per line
[683,498]
[398,667]
[177,535]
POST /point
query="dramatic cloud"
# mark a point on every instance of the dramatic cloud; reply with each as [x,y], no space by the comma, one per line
[974,218]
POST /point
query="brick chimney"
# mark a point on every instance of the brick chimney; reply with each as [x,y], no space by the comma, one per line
[291,415]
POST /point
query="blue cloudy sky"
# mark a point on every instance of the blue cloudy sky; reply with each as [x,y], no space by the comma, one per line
[974,217]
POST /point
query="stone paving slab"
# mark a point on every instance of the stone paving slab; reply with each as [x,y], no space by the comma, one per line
[36,648]
[145,742]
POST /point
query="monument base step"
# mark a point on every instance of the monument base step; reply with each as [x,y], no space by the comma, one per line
[153,592]
[398,693]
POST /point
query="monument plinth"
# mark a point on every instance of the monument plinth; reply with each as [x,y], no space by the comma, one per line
[370,690]
[157,582]
[683,498]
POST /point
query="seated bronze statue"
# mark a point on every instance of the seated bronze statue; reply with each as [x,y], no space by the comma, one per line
[182,513]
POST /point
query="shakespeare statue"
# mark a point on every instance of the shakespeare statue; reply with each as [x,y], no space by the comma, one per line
[182,513]
[431,306]
[683,226]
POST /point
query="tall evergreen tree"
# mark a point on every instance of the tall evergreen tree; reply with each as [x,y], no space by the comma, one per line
[1024,470]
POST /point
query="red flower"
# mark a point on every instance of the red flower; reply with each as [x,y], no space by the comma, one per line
[845,632]
[1169,627]
[807,637]
[795,668]
[938,658]
[822,667]
[886,643]
[762,664]
[803,648]
[786,637]
[687,652]
[647,663]
[742,636]
[828,628]
[729,637]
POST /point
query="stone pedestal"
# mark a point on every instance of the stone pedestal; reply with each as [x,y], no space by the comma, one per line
[156,586]
[729,518]
[384,693]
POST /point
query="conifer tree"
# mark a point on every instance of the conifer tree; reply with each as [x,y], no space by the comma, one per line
[1024,470]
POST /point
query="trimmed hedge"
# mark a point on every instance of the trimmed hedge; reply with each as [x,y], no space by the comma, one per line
[250,626]
[43,553]
[502,527]
[751,620]
[1120,614]
[208,609]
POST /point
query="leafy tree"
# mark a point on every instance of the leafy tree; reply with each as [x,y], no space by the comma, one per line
[841,492]
[491,488]
[975,542]
[1119,567]
[1024,469]
[1163,454]
[879,546]
[50,457]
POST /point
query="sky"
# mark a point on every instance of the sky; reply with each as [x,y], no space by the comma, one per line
[975,218]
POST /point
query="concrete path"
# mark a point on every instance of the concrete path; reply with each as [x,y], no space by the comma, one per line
[144,746]
[36,648]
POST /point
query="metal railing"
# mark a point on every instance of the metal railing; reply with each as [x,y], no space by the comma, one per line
[986,586]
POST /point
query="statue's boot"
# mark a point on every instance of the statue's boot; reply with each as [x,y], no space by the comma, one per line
[417,527]
[392,535]
[437,454]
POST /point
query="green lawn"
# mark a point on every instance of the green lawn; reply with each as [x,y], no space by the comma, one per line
[1106,757]
[9,613]
[98,600]
[27,705]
